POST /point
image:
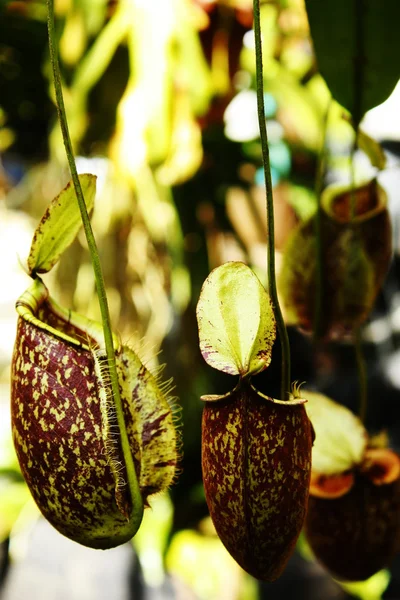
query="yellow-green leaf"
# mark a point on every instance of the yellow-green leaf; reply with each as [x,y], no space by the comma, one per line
[340,437]
[59,225]
[371,589]
[236,321]
[13,497]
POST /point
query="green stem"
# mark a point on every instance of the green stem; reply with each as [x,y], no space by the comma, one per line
[359,62]
[360,361]
[283,336]
[136,497]
[319,272]
[353,198]
[362,375]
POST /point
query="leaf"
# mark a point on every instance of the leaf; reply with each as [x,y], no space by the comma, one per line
[355,42]
[14,496]
[340,437]
[185,152]
[59,226]
[236,321]
[371,589]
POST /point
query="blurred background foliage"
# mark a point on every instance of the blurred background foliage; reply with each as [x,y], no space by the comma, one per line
[160,97]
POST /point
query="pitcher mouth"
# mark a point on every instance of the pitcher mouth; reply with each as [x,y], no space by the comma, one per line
[370,199]
[37,307]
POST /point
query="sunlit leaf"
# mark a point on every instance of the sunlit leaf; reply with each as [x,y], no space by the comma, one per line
[340,437]
[74,38]
[355,42]
[190,553]
[236,321]
[296,108]
[13,497]
[186,152]
[371,589]
[302,200]
[59,225]
[152,539]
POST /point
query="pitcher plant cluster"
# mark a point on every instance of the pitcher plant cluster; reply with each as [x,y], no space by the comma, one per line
[94,428]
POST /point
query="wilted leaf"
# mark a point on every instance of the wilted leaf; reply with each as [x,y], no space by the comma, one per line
[355,42]
[190,552]
[340,437]
[59,225]
[236,321]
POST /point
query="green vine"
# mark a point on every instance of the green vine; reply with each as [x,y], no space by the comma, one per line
[362,375]
[360,360]
[283,336]
[134,489]
[319,270]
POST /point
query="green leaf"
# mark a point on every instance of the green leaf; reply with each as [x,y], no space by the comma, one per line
[236,321]
[340,437]
[13,497]
[355,42]
[371,589]
[59,226]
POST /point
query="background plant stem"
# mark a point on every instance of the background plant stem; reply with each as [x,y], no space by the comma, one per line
[319,267]
[357,337]
[136,497]
[362,375]
[282,332]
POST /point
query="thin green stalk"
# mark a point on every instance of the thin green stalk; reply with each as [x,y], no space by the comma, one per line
[353,199]
[283,336]
[362,375]
[136,497]
[359,62]
[360,360]
[319,272]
